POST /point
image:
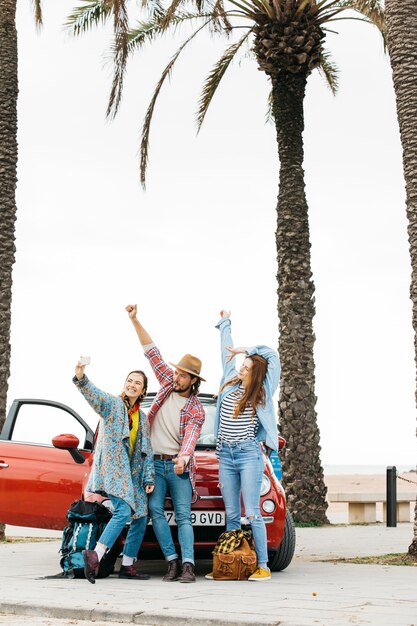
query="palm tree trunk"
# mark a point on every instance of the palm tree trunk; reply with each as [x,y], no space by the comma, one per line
[8,180]
[401,22]
[302,470]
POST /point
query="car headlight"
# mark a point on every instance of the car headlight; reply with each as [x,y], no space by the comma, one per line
[268,506]
[266,485]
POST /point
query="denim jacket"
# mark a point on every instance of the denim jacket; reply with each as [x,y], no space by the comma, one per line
[268,430]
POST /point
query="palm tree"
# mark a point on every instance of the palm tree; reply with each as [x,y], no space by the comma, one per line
[8,181]
[286,39]
[401,25]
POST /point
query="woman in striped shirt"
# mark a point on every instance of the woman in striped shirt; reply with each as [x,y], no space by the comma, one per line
[246,417]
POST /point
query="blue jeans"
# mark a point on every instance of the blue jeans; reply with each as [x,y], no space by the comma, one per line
[121,515]
[241,468]
[180,490]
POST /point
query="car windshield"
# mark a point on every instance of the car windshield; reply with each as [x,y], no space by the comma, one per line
[206,438]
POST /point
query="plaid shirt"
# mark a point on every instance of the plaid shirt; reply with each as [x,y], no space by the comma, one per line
[231,539]
[192,415]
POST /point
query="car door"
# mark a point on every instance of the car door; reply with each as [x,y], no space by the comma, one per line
[37,481]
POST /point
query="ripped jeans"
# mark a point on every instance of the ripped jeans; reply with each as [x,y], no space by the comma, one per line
[241,468]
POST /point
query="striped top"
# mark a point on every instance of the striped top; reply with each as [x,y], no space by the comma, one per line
[239,428]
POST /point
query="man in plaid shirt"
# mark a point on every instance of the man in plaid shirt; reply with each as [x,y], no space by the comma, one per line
[175,418]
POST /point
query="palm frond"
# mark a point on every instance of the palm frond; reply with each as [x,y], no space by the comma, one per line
[323,11]
[262,6]
[148,31]
[329,71]
[153,7]
[37,8]
[349,18]
[144,147]
[215,76]
[373,10]
[204,6]
[246,8]
[270,116]
[327,17]
[278,8]
[326,4]
[326,9]
[169,13]
[121,30]
[88,15]
[221,22]
[383,32]
[302,6]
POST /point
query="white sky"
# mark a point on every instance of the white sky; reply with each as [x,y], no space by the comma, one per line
[202,237]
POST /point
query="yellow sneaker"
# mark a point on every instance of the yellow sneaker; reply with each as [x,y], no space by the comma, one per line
[260,574]
[209,576]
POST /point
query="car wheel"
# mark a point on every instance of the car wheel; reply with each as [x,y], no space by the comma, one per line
[282,557]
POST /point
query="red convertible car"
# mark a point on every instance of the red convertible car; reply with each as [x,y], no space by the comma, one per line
[42,474]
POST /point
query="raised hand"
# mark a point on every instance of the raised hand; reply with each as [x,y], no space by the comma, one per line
[132,309]
[79,370]
[234,351]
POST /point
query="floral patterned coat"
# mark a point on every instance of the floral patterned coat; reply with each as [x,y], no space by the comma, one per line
[114,471]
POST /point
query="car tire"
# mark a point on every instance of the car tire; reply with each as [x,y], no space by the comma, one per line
[282,557]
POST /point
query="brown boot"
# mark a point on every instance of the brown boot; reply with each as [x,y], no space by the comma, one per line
[173,571]
[187,575]
[91,565]
[130,571]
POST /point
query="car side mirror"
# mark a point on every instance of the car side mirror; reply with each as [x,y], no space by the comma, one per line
[69,442]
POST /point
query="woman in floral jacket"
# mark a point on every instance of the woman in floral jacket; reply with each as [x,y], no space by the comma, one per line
[123,468]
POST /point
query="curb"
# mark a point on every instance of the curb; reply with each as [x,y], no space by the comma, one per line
[144,618]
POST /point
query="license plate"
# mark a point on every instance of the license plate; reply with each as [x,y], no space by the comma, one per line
[200,518]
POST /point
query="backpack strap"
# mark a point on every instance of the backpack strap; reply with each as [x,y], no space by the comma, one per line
[90,532]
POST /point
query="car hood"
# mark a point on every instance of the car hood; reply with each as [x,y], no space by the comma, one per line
[207,474]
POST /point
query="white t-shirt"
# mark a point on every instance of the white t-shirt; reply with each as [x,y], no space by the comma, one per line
[165,433]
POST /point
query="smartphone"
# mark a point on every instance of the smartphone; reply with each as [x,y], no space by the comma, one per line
[84,360]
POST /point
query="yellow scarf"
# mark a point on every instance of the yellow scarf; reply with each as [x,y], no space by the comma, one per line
[133,414]
[134,430]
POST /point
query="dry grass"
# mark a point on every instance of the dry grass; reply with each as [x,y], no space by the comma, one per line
[384,559]
[28,539]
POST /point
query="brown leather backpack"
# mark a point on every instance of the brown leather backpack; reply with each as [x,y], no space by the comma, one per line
[236,564]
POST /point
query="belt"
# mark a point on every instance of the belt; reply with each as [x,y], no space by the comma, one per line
[164,457]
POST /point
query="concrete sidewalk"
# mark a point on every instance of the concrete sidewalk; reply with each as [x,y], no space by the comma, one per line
[313,589]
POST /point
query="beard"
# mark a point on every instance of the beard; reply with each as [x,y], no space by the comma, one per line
[181,389]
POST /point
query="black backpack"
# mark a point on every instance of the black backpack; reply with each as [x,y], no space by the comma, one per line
[86,522]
